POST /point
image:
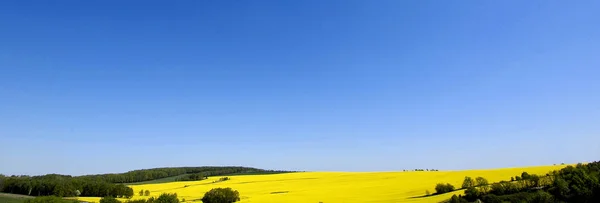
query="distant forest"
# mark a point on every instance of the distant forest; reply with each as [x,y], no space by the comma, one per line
[111,185]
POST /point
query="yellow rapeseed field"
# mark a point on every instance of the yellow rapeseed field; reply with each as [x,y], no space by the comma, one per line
[334,187]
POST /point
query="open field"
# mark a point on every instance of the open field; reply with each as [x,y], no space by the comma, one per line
[327,187]
[13,198]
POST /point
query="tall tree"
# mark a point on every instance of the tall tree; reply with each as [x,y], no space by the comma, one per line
[468,182]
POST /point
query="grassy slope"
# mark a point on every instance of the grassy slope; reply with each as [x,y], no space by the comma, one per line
[13,198]
[349,187]
[162,180]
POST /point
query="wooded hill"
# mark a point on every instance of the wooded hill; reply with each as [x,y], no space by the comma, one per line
[102,185]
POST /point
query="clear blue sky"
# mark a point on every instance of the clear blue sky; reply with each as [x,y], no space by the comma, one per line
[111,86]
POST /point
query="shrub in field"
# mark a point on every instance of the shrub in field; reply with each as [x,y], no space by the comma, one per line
[443,188]
[167,198]
[221,195]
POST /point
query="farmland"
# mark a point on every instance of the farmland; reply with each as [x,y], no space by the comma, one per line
[333,186]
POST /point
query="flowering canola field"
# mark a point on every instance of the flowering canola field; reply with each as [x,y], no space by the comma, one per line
[334,187]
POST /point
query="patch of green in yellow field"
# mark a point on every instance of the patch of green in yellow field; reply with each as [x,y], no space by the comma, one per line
[333,187]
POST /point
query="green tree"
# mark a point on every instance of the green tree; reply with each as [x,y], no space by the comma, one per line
[128,192]
[147,193]
[454,199]
[167,198]
[491,198]
[221,195]
[535,180]
[525,176]
[472,194]
[468,182]
[141,192]
[480,181]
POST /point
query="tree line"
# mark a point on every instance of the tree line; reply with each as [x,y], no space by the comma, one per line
[61,186]
[570,184]
[158,173]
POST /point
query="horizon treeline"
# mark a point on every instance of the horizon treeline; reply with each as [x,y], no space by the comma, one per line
[62,186]
[158,173]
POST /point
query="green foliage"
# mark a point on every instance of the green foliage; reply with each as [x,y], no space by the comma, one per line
[578,184]
[480,181]
[193,177]
[525,176]
[472,194]
[49,199]
[167,198]
[147,193]
[103,185]
[62,186]
[468,182]
[570,184]
[141,192]
[441,188]
[456,199]
[109,200]
[221,195]
[159,173]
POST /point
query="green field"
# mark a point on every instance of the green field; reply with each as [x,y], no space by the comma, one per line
[162,180]
[12,198]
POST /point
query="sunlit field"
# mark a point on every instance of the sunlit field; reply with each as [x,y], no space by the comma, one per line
[334,187]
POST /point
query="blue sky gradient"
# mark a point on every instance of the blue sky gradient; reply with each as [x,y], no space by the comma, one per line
[111,86]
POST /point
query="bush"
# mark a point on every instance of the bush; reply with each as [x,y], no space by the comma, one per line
[167,198]
[491,198]
[221,195]
[109,200]
[441,188]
